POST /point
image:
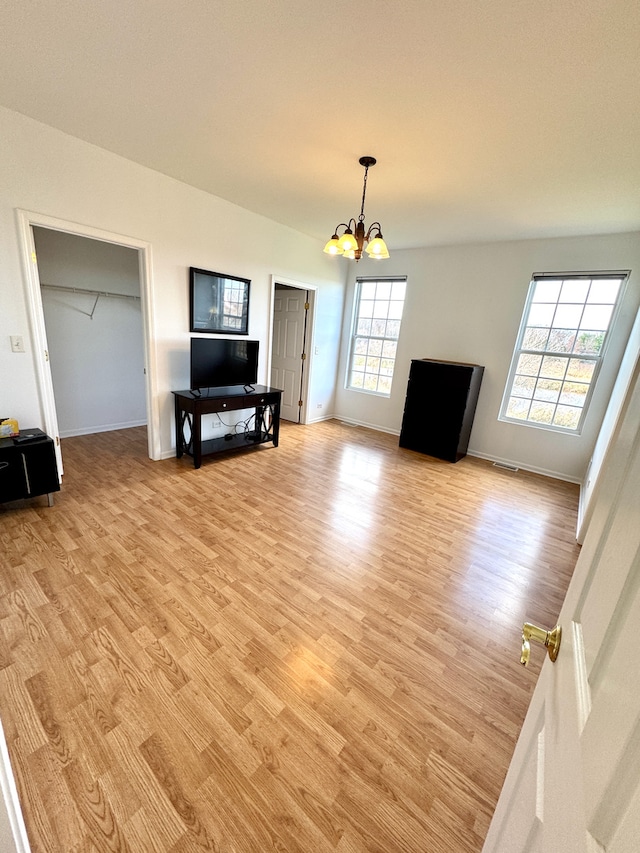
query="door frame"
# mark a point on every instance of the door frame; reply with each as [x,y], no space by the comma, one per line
[308,337]
[26,220]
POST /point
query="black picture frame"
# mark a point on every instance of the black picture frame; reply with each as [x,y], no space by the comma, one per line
[218,303]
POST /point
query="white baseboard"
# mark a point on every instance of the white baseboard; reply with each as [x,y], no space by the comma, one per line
[350,422]
[532,469]
[319,419]
[70,433]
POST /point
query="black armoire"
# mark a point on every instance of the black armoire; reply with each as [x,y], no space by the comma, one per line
[439,408]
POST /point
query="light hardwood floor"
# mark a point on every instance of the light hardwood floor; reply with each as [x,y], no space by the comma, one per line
[304,649]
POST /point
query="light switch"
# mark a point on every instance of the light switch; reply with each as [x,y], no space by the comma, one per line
[17,343]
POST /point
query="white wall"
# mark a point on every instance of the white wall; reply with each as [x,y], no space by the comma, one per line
[50,173]
[464,303]
[95,343]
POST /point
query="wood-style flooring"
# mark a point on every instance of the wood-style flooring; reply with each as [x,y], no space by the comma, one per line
[306,649]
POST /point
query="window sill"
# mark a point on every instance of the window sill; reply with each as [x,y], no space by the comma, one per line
[576,433]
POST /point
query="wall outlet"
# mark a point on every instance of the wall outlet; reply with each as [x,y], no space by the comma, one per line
[319,406]
[17,343]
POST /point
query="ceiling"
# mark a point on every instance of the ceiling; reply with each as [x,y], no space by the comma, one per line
[491,120]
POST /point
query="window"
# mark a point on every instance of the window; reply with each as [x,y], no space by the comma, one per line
[234,304]
[559,349]
[376,327]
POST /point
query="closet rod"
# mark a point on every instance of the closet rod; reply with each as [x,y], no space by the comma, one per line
[86,290]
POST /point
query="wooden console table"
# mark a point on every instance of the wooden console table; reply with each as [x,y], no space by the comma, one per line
[190,408]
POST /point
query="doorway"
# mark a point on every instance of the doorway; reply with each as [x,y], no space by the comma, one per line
[291,334]
[27,222]
[90,292]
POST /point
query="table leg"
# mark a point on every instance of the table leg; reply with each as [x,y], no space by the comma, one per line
[197,440]
[179,431]
[276,423]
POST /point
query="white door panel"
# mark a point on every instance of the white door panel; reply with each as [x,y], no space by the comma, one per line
[587,704]
[526,800]
[288,345]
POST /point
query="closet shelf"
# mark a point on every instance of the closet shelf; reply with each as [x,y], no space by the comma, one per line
[89,291]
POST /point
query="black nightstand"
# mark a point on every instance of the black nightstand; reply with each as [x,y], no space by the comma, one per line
[28,468]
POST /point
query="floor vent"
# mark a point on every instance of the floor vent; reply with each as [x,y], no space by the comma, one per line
[505,466]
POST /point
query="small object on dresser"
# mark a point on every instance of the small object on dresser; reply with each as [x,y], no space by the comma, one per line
[8,427]
[26,437]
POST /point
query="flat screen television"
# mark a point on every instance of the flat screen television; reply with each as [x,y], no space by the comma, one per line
[217,362]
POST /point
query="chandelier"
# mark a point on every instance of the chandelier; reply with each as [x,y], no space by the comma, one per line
[351,243]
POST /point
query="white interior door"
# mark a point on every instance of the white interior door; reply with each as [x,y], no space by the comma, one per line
[574,782]
[288,348]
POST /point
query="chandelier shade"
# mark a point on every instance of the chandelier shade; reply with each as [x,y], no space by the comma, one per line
[347,242]
[377,248]
[351,243]
[332,247]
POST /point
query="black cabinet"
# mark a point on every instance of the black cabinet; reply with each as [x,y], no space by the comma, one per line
[28,469]
[439,408]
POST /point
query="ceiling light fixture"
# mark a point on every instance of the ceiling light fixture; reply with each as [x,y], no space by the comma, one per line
[352,241]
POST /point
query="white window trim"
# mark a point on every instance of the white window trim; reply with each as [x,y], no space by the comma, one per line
[599,359]
[352,333]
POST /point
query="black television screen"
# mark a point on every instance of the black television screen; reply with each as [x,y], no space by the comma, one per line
[216,363]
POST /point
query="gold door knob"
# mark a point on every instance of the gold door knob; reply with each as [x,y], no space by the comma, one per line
[550,639]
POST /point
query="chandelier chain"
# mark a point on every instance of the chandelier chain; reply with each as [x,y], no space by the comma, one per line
[364,192]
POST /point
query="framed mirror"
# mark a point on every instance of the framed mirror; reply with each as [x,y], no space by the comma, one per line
[218,303]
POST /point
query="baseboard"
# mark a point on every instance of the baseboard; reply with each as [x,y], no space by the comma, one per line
[531,469]
[320,419]
[70,433]
[350,422]
[13,833]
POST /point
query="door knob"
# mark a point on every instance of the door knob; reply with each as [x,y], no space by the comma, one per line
[550,639]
